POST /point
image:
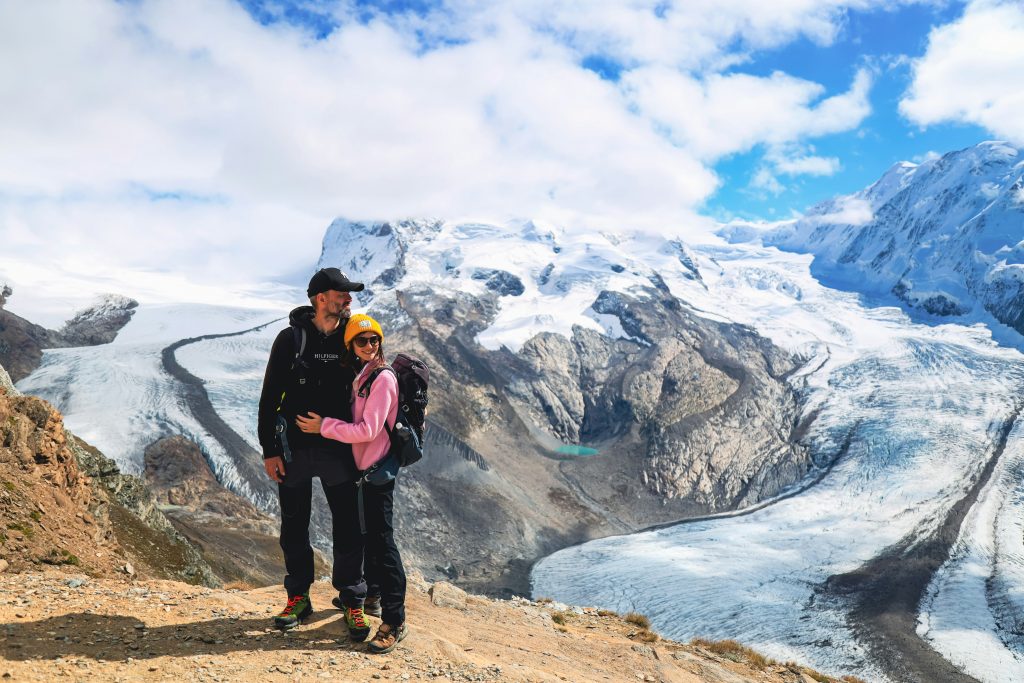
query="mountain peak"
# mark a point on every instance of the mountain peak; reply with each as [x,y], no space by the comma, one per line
[525,266]
[941,237]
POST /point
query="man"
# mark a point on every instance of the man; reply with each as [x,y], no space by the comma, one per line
[307,371]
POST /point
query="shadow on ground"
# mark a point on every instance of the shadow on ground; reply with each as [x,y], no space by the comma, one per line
[119,637]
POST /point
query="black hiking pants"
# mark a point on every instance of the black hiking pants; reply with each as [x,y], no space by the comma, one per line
[384,562]
[296,508]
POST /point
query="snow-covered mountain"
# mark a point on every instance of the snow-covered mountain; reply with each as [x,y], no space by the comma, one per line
[546,278]
[945,236]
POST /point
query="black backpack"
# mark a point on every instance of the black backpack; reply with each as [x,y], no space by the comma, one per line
[407,434]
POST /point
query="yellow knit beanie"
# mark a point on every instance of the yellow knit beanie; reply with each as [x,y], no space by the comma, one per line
[360,323]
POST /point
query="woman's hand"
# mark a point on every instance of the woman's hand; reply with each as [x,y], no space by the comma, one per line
[311,424]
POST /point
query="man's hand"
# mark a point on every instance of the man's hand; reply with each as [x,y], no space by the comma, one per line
[275,468]
[311,424]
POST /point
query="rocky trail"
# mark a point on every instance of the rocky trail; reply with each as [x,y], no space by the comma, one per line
[58,625]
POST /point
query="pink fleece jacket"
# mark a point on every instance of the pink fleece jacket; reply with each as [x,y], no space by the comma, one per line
[370,441]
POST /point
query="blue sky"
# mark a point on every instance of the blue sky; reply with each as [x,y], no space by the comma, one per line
[883,139]
[140,139]
[883,40]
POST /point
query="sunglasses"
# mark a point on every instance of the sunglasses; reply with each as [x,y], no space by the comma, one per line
[366,341]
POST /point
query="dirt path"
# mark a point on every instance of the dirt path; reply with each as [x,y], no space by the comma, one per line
[61,626]
[887,591]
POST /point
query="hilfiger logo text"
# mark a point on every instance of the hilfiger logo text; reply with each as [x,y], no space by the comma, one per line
[326,357]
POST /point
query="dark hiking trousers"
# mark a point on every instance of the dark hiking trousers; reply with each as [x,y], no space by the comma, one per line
[296,507]
[382,554]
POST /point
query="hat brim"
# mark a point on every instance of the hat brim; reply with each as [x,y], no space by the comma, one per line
[350,287]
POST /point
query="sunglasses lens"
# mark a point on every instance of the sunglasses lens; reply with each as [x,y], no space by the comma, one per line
[367,341]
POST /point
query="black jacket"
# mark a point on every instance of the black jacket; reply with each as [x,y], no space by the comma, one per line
[321,384]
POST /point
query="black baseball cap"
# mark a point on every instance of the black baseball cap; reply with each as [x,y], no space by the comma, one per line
[327,279]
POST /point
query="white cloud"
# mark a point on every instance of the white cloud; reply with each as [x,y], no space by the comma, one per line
[930,155]
[724,114]
[850,211]
[765,180]
[973,71]
[809,165]
[266,134]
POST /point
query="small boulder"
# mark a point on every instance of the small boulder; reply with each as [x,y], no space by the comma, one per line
[444,594]
[4,564]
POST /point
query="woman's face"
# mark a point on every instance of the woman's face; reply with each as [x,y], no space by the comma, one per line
[365,346]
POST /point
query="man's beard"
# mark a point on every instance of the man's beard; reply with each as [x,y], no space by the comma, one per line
[343,315]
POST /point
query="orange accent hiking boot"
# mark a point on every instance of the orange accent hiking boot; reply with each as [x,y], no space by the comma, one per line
[387,638]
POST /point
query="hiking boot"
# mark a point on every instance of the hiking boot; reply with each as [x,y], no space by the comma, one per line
[358,629]
[387,638]
[298,608]
[371,606]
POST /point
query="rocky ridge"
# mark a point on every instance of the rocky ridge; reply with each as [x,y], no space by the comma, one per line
[64,503]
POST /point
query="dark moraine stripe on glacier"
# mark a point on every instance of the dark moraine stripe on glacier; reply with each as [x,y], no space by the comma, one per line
[886,592]
[247,461]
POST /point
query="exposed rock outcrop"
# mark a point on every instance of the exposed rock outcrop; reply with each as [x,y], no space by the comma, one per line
[238,541]
[100,322]
[22,344]
[63,502]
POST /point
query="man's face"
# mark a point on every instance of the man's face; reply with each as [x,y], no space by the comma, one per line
[337,304]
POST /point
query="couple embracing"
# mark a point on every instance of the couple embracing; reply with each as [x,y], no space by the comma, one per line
[326,411]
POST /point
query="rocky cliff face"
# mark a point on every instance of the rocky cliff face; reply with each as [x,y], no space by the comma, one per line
[63,502]
[22,344]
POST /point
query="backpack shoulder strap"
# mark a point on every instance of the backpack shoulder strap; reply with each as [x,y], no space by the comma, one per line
[364,388]
[299,339]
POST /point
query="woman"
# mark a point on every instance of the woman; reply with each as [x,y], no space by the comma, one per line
[372,407]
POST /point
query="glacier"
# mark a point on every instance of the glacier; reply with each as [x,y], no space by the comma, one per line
[906,417]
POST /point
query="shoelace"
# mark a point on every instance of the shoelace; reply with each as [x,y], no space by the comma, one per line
[358,619]
[292,602]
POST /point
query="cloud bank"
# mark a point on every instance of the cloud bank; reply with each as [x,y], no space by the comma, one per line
[185,138]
